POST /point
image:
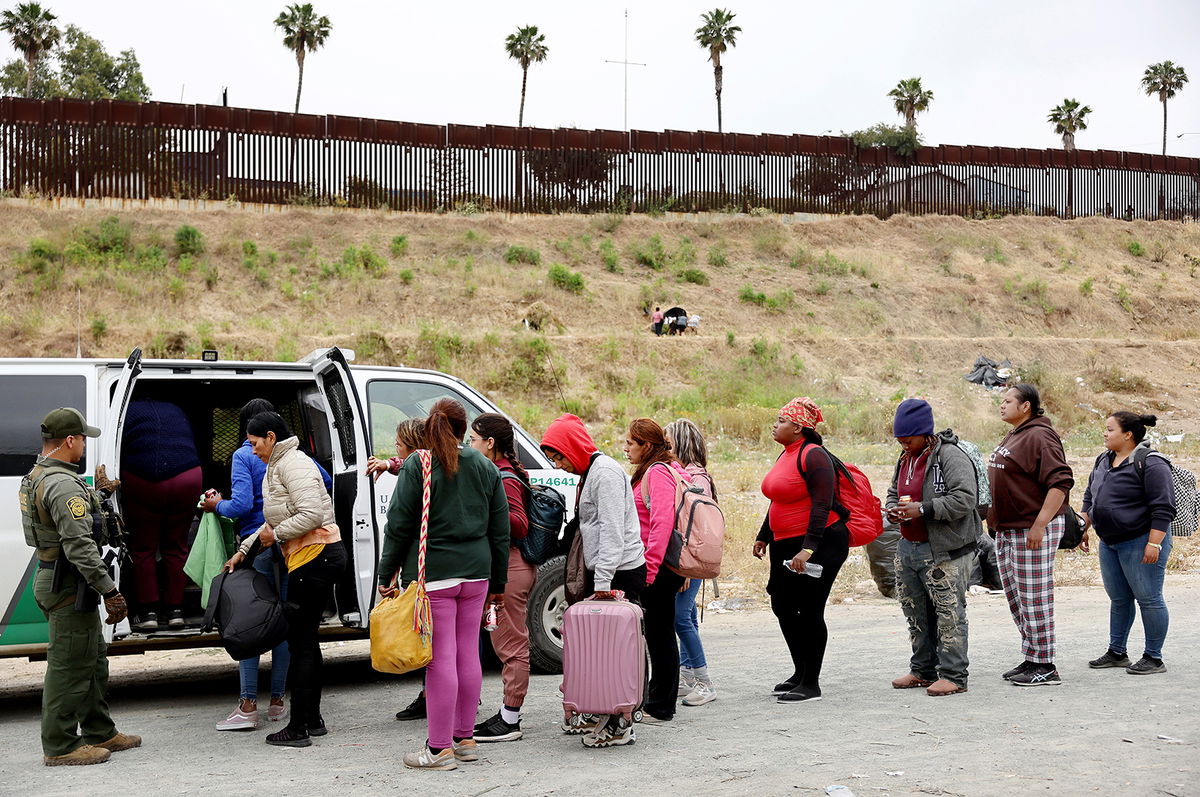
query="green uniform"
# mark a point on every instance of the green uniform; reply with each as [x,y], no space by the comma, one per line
[57,509]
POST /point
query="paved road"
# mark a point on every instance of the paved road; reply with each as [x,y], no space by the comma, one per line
[1096,734]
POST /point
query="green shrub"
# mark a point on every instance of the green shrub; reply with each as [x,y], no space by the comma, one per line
[111,237]
[730,340]
[210,278]
[821,288]
[1124,298]
[175,289]
[650,254]
[99,328]
[608,255]
[150,258]
[562,277]
[188,240]
[717,256]
[608,223]
[249,249]
[693,275]
[781,301]
[522,254]
[749,294]
[41,248]
[1085,287]
[406,276]
[1136,249]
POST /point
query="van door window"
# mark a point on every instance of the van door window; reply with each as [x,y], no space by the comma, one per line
[393,401]
[27,400]
[343,418]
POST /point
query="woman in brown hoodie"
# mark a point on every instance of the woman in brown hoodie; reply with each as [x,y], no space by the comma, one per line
[1030,481]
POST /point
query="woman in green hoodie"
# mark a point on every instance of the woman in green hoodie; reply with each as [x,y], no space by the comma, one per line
[1030,483]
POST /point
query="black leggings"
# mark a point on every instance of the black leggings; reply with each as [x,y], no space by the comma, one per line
[310,587]
[658,602]
[798,600]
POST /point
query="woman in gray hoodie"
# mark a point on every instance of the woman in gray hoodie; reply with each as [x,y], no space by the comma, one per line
[933,496]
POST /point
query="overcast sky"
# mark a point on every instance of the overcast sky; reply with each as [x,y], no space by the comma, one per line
[996,68]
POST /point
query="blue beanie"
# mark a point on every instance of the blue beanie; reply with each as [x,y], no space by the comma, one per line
[914,417]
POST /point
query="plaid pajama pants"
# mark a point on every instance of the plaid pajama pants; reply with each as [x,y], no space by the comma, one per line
[1028,580]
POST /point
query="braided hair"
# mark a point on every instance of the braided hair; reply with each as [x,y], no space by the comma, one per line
[500,429]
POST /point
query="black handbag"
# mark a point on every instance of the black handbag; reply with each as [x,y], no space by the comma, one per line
[249,615]
[1073,534]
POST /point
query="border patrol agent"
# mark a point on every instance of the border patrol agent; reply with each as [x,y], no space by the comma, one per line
[64,520]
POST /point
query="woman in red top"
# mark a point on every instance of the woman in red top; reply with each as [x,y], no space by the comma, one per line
[647,448]
[492,436]
[804,525]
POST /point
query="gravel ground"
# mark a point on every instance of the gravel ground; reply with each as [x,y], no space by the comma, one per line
[1101,732]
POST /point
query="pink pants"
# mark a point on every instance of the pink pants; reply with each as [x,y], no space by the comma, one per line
[454,676]
[511,637]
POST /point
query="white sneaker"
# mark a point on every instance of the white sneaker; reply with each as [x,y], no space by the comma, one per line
[686,684]
[239,720]
[703,693]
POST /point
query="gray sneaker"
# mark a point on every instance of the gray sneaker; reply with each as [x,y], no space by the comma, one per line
[1146,666]
[615,732]
[1109,659]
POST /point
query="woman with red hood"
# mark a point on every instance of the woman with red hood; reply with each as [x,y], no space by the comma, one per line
[608,528]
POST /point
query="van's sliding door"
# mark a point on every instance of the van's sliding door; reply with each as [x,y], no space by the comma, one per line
[352,488]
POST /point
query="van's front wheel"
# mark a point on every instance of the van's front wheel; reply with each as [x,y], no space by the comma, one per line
[547,602]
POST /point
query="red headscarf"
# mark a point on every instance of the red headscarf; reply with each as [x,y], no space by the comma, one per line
[802,412]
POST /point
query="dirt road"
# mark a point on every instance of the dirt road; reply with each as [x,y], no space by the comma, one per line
[1101,732]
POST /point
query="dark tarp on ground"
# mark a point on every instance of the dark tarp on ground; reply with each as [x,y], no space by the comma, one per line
[985,372]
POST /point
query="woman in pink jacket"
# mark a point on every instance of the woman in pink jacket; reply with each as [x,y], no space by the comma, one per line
[655,478]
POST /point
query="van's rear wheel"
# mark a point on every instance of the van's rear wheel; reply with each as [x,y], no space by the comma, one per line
[547,602]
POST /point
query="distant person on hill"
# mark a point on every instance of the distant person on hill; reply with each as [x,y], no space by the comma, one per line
[693,323]
[695,685]
[1030,483]
[1130,501]
[933,496]
[804,524]
[657,318]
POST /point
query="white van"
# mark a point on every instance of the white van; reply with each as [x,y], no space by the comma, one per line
[342,414]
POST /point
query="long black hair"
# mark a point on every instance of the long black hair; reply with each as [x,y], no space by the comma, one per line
[252,407]
[499,428]
[1028,392]
[266,422]
[1134,423]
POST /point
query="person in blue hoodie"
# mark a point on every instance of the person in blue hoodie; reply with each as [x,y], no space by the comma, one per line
[1130,502]
[245,505]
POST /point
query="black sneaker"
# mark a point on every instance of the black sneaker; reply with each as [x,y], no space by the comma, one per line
[1109,659]
[495,729]
[1038,675]
[1146,666]
[145,622]
[415,710]
[1020,669]
[175,619]
[801,694]
[289,738]
[317,728]
[783,687]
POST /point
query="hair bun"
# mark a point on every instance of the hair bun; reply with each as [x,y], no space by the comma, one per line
[1149,420]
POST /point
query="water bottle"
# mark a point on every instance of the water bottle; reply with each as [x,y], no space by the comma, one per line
[810,568]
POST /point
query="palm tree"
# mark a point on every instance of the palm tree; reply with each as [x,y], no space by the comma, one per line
[32,31]
[1164,80]
[303,32]
[910,100]
[527,46]
[1068,118]
[716,35]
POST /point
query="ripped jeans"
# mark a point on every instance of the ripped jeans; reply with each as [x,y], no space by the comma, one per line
[933,599]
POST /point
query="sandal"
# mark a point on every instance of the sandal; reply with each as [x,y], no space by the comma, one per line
[910,681]
[947,688]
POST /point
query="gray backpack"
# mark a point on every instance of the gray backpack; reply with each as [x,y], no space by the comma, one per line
[984,487]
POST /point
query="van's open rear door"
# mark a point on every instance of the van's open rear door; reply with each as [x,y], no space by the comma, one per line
[353,490]
[110,457]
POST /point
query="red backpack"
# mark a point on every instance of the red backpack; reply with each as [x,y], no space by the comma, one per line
[856,498]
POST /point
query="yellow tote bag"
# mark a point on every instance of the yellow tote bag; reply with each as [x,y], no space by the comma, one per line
[402,625]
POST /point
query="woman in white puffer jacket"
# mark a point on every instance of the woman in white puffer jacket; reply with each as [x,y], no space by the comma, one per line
[299,516]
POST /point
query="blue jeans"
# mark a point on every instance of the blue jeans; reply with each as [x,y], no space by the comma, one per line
[933,599]
[687,627]
[1126,579]
[280,655]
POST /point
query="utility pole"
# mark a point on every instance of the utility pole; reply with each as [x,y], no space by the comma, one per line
[626,63]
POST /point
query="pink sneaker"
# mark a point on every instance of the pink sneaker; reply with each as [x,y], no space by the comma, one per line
[276,713]
[239,720]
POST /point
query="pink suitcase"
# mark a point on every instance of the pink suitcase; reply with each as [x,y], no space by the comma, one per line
[604,657]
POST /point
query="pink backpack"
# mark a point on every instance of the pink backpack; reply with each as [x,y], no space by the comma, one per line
[698,537]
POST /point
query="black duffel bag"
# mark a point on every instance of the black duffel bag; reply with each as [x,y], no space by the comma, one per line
[248,612]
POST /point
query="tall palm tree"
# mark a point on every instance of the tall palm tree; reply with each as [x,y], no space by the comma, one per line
[526,46]
[1068,118]
[911,99]
[32,31]
[1165,80]
[303,32]
[716,35]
